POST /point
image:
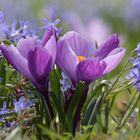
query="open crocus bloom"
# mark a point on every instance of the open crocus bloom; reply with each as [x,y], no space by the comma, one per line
[33,61]
[80,61]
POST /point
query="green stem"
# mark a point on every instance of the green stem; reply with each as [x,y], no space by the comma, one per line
[96,107]
[120,90]
[46,108]
[120,84]
[128,113]
[129,68]
[119,75]
[106,118]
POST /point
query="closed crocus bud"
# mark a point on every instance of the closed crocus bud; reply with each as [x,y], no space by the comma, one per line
[33,61]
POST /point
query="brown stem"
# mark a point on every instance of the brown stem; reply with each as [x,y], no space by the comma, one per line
[45,95]
[76,126]
[68,98]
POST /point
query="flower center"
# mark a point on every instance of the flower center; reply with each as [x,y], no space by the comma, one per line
[81,58]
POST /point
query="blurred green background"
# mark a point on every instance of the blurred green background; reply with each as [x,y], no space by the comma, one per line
[96,18]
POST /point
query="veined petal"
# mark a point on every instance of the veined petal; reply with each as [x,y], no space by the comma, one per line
[51,48]
[14,57]
[25,45]
[110,44]
[115,51]
[47,36]
[67,60]
[113,59]
[78,44]
[40,64]
[90,69]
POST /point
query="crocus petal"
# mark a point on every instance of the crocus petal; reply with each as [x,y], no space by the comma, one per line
[113,59]
[16,60]
[67,60]
[51,47]
[90,69]
[40,64]
[47,36]
[25,45]
[115,51]
[79,45]
[105,48]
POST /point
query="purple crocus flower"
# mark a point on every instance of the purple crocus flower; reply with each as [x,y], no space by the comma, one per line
[80,61]
[34,61]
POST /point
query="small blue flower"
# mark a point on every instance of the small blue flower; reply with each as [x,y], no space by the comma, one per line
[4,110]
[134,74]
[17,30]
[1,79]
[22,104]
[49,25]
[65,82]
[138,49]
[1,17]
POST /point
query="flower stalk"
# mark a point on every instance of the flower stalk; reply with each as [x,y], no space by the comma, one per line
[47,100]
[77,117]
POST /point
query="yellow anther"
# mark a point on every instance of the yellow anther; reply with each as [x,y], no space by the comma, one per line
[81,58]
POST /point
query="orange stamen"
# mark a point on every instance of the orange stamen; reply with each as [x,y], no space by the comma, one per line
[81,58]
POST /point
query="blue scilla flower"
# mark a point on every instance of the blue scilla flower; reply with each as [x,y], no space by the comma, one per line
[4,110]
[51,24]
[22,104]
[65,82]
[134,74]
[19,29]
[138,49]
[1,79]
[1,17]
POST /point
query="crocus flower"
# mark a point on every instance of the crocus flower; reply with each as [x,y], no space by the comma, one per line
[81,61]
[33,60]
